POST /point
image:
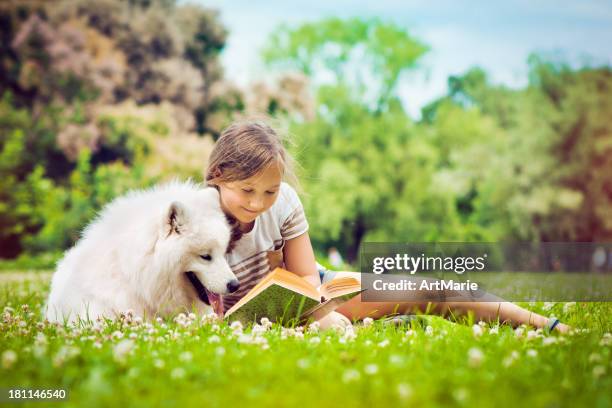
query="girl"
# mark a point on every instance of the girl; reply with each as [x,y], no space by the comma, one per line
[247,166]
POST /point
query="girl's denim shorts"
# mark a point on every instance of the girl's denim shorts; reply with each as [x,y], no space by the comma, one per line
[324,274]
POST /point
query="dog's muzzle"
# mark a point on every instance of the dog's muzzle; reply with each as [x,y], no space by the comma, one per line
[210,298]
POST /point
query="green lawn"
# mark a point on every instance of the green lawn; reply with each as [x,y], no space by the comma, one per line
[193,362]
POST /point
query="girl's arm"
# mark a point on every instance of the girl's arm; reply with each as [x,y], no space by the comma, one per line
[299,258]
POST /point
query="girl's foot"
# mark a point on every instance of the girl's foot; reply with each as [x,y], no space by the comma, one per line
[334,319]
[562,328]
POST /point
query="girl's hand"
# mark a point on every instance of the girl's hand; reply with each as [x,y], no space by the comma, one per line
[334,319]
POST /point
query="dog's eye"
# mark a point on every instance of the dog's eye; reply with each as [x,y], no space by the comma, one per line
[206,257]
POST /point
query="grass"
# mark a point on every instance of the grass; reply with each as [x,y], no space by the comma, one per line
[194,361]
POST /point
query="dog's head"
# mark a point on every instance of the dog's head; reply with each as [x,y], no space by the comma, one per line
[196,237]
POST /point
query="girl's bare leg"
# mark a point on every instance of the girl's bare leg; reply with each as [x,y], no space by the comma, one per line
[507,312]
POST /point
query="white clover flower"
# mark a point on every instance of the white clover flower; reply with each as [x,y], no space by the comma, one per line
[236,327]
[258,329]
[367,322]
[547,341]
[159,363]
[477,330]
[475,357]
[191,316]
[41,339]
[314,327]
[303,363]
[599,371]
[518,332]
[494,329]
[287,332]
[117,334]
[122,349]
[9,358]
[396,359]
[531,334]
[133,335]
[60,357]
[209,318]
[482,324]
[265,322]
[508,361]
[350,375]
[39,350]
[383,343]
[245,339]
[532,353]
[177,373]
[429,331]
[460,394]
[370,369]
[315,340]
[568,306]
[185,357]
[404,390]
[349,334]
[594,358]
[606,340]
[410,333]
[548,306]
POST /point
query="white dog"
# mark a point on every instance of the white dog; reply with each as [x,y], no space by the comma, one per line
[155,252]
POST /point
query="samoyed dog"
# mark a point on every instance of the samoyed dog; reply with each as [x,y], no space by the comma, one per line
[154,252]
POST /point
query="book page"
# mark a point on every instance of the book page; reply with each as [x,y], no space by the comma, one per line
[339,286]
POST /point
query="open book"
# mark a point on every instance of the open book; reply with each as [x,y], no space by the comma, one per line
[283,296]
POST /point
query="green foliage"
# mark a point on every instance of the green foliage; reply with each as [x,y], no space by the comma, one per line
[22,183]
[373,174]
[486,163]
[367,55]
[73,135]
[67,209]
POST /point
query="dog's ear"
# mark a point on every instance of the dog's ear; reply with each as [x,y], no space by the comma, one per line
[176,218]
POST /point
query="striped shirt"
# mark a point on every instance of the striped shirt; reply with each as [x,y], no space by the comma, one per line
[260,250]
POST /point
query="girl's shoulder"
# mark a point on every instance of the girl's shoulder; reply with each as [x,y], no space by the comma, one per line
[287,198]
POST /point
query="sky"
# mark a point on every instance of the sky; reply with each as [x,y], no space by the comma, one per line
[497,36]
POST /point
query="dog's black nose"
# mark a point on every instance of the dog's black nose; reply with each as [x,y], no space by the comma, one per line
[233,285]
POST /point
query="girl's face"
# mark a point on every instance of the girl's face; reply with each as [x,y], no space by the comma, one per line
[246,199]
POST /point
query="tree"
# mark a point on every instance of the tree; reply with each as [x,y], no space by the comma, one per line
[358,155]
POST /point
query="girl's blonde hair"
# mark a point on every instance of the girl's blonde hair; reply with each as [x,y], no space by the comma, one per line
[244,149]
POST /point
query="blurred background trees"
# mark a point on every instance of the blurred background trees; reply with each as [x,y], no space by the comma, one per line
[97,98]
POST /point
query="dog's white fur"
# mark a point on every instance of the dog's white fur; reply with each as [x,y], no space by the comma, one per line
[135,254]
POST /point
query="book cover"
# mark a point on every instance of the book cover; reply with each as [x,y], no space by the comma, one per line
[286,298]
